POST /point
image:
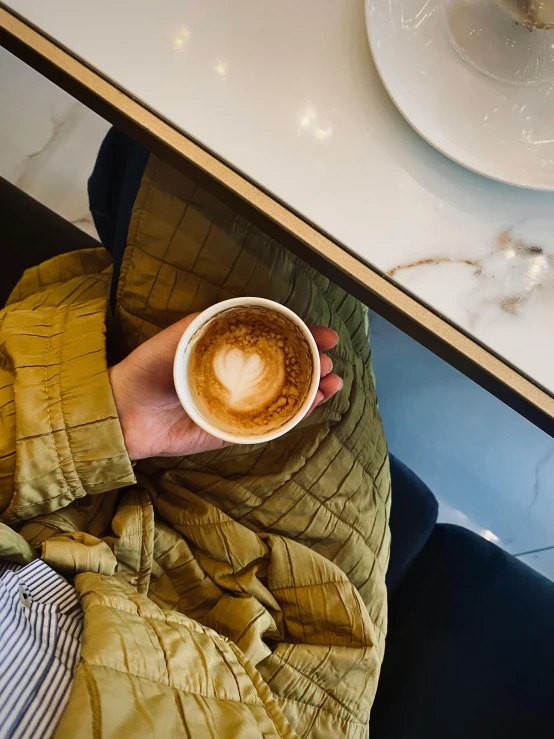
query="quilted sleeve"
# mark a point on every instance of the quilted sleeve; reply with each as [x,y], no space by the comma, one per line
[60,437]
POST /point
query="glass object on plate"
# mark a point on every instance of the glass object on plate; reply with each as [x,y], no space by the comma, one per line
[509,40]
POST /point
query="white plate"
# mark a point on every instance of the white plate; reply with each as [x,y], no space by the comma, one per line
[495,129]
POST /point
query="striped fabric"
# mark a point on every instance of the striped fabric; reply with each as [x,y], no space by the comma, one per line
[41,623]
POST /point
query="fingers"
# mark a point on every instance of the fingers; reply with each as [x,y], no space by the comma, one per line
[317,400]
[163,346]
[325,338]
[326,364]
[329,385]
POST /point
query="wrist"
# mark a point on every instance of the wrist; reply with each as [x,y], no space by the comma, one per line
[118,392]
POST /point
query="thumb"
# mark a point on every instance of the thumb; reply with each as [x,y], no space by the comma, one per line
[166,341]
[173,333]
[154,358]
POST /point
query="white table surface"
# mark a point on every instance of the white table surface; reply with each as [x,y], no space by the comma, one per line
[287,92]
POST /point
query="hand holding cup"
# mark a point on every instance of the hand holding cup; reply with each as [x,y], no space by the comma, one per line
[152,418]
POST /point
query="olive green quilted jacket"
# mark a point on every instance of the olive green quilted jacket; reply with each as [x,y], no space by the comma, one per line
[237,593]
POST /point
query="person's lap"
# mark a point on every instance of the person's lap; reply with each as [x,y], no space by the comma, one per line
[306,514]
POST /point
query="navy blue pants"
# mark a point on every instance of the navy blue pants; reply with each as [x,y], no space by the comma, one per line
[470,646]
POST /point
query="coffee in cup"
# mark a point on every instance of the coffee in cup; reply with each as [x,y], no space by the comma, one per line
[247,370]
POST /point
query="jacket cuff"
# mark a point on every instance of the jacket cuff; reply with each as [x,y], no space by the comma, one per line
[69,441]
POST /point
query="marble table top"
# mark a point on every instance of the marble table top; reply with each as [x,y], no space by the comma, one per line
[288,94]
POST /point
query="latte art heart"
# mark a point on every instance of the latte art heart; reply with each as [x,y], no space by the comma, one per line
[250,370]
[240,374]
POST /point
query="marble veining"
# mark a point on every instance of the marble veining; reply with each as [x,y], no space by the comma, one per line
[434,260]
[85,223]
[48,141]
[503,294]
[540,467]
[517,268]
[62,125]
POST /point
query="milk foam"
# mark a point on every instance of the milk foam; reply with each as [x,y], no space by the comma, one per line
[239,373]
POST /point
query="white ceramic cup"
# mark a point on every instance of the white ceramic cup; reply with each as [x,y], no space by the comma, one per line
[184,351]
